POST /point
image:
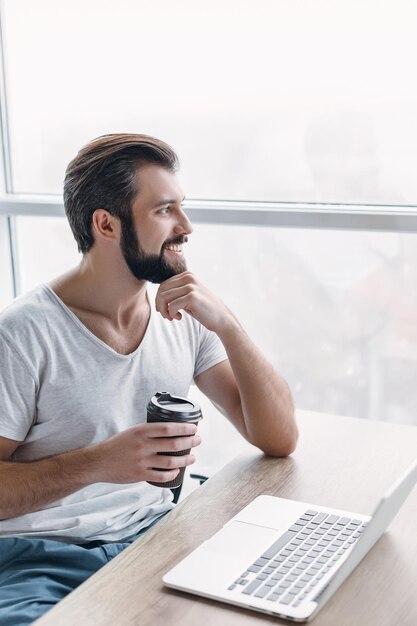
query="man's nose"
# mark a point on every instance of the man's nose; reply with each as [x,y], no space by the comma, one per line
[183,225]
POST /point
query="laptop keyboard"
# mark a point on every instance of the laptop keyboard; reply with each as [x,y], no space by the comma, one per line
[296,562]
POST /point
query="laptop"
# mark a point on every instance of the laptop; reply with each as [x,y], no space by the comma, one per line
[286,558]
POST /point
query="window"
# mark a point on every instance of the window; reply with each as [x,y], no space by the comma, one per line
[266,100]
[306,107]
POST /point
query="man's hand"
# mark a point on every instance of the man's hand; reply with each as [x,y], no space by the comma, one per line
[130,456]
[127,457]
[246,388]
[186,292]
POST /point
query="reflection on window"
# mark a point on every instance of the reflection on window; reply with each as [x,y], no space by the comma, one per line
[334,311]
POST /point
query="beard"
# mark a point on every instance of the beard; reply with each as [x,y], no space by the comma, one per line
[143,266]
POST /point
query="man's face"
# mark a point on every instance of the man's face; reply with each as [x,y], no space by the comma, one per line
[158,216]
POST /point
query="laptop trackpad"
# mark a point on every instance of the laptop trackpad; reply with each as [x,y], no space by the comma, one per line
[240,537]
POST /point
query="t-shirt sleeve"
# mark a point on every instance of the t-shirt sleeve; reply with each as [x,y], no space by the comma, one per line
[211,351]
[17,393]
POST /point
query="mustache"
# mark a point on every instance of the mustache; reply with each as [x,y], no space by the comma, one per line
[179,239]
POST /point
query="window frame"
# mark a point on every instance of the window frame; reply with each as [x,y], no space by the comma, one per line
[9,283]
[328,216]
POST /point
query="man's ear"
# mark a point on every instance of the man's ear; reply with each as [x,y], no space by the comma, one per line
[105,225]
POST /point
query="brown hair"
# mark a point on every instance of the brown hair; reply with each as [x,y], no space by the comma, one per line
[103,176]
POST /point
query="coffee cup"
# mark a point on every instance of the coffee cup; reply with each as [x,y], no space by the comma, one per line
[163,407]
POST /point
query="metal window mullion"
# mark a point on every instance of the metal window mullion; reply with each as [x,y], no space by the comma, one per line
[14,255]
[8,228]
[382,218]
[4,117]
[6,275]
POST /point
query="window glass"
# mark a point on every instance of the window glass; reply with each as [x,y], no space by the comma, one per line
[333,311]
[288,100]
[46,248]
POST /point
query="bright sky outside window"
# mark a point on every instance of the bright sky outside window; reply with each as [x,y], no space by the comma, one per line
[287,100]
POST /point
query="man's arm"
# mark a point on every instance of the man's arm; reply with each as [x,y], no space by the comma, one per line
[246,388]
[27,487]
[127,457]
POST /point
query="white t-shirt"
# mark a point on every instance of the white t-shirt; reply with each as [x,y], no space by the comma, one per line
[62,388]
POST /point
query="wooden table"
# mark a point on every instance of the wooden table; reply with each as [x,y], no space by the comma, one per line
[341,462]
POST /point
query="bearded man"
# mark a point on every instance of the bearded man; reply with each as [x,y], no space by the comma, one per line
[82,355]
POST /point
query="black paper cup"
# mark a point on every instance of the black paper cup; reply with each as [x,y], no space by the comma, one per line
[163,407]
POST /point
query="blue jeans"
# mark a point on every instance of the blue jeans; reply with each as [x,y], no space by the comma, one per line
[35,574]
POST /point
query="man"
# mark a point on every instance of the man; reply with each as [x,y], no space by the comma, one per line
[82,356]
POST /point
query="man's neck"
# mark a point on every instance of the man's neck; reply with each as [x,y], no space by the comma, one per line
[118,298]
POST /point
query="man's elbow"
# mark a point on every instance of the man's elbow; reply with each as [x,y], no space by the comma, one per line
[290,446]
[282,445]
[286,441]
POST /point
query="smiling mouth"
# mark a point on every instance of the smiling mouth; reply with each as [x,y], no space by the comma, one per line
[174,247]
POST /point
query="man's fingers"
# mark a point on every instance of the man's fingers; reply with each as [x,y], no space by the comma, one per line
[176,444]
[156,476]
[177,280]
[164,301]
[170,462]
[181,303]
[175,292]
[167,429]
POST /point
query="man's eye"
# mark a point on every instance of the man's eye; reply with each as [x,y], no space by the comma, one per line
[164,209]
